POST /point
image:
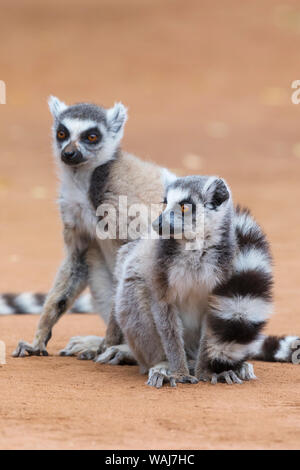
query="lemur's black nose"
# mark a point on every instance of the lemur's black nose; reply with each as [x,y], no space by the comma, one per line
[71,155]
[157,225]
[167,225]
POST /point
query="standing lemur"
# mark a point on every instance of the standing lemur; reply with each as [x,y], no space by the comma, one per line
[196,308]
[94,170]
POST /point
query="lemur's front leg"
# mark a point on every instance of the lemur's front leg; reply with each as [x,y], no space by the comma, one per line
[70,281]
[156,343]
[169,329]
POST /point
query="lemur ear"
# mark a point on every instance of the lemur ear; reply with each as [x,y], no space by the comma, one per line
[56,106]
[116,118]
[217,192]
[167,177]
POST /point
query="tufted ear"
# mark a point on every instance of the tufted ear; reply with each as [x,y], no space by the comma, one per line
[167,177]
[56,106]
[116,118]
[217,192]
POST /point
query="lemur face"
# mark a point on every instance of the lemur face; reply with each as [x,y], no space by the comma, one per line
[86,134]
[194,206]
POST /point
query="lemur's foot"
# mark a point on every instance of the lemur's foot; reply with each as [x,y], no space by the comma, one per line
[246,372]
[228,376]
[25,349]
[85,347]
[116,355]
[160,374]
[237,376]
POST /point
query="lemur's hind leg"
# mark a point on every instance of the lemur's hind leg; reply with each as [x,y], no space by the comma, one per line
[277,349]
[70,281]
[85,347]
[133,314]
[101,286]
[114,350]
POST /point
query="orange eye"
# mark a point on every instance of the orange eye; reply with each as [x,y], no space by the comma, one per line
[61,135]
[184,208]
[92,138]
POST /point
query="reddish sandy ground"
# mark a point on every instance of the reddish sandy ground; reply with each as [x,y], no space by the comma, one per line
[209,79]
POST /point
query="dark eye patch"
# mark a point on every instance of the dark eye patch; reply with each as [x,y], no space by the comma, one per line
[62,133]
[93,131]
[190,203]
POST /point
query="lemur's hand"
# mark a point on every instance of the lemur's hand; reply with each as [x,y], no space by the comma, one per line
[160,375]
[236,376]
[25,349]
[182,379]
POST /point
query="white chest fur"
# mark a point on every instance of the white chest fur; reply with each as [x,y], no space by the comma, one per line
[191,280]
[191,308]
[76,208]
[192,272]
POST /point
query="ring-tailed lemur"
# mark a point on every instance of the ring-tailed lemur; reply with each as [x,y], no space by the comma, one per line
[205,307]
[92,171]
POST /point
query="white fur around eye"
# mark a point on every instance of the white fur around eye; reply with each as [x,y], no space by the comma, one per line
[77,126]
[176,195]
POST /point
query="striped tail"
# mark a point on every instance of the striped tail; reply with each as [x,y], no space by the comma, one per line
[253,243]
[28,302]
[278,349]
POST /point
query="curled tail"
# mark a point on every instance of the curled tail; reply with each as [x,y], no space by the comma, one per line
[254,250]
[28,302]
[278,349]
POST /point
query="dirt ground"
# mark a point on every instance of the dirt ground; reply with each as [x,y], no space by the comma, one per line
[208,85]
